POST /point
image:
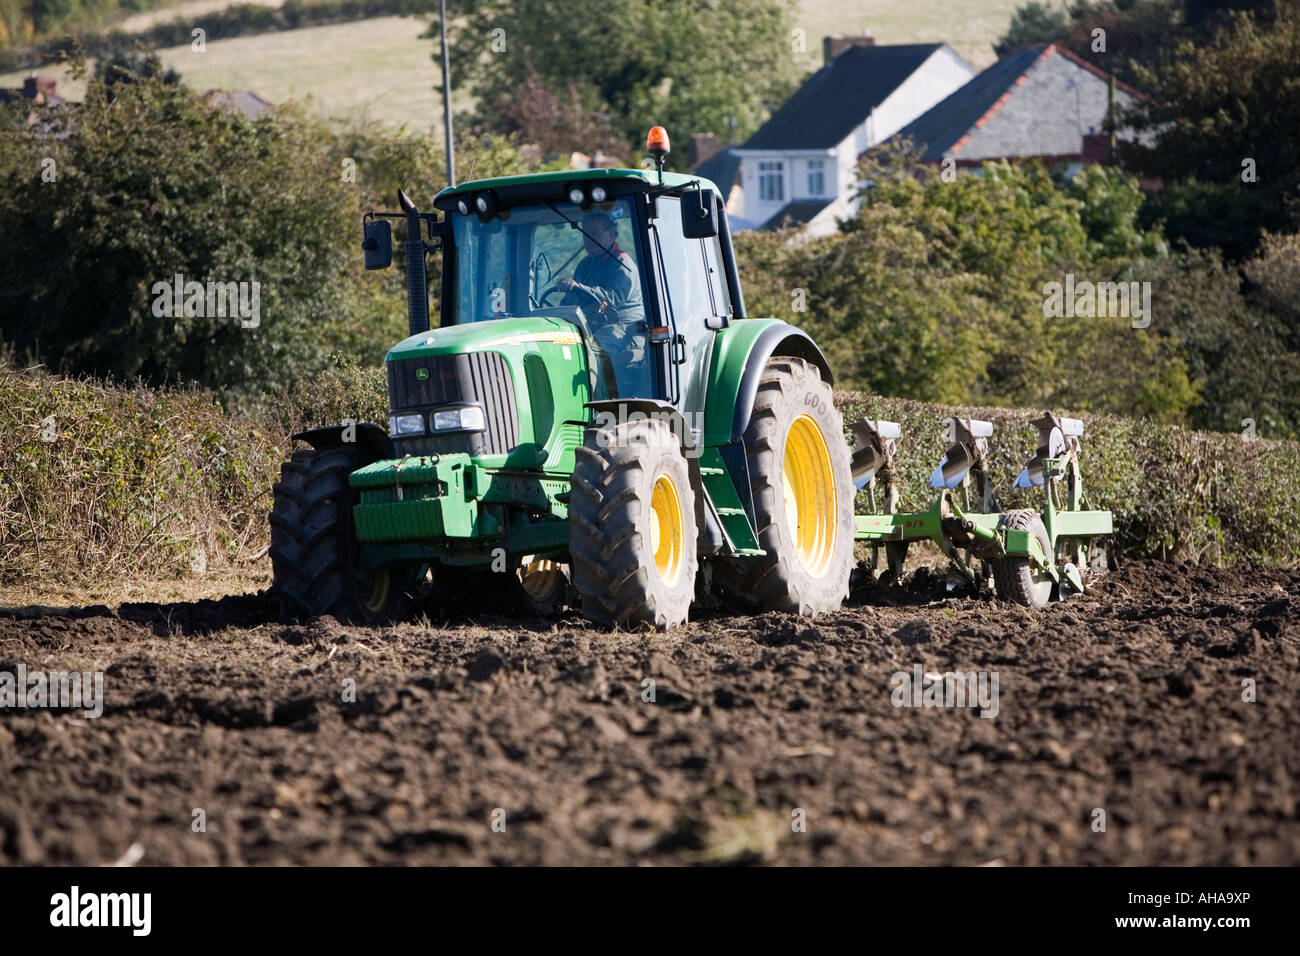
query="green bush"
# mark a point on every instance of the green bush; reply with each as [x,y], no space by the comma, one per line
[935,291]
[151,183]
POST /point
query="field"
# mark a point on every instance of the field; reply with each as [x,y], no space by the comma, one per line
[381,69]
[377,69]
[1128,700]
[970,27]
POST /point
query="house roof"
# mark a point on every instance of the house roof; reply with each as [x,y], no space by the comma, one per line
[721,169]
[840,96]
[247,102]
[796,213]
[944,128]
[939,128]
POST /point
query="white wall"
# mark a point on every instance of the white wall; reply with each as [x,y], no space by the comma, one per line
[794,180]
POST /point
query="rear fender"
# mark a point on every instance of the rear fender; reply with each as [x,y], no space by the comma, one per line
[370,438]
[740,352]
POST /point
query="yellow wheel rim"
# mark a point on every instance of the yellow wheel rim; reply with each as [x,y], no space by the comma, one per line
[375,590]
[539,577]
[809,492]
[666,529]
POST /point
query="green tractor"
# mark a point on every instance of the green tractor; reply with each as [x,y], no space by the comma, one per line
[596,420]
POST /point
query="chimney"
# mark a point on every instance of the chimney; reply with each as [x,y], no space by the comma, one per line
[1096,148]
[702,146]
[834,46]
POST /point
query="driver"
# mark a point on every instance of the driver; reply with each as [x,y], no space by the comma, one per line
[605,282]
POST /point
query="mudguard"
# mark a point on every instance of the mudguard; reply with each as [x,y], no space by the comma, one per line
[373,439]
[739,353]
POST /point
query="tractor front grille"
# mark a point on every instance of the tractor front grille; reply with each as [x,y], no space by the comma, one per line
[483,378]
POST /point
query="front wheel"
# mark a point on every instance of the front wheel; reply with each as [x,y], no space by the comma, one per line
[313,543]
[802,488]
[632,530]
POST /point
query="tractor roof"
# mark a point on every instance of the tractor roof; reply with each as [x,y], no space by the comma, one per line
[648,176]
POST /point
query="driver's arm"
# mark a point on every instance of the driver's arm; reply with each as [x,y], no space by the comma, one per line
[608,286]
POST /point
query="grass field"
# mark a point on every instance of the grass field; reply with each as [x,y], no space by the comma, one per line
[969,26]
[378,68]
[382,69]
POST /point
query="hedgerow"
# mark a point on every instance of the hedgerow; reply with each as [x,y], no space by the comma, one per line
[101,481]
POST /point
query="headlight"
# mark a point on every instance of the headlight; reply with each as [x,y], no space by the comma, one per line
[464,418]
[598,194]
[400,426]
[462,206]
[576,196]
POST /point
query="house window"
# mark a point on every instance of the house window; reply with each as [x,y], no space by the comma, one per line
[816,177]
[771,181]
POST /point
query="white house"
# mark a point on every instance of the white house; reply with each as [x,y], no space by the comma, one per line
[801,166]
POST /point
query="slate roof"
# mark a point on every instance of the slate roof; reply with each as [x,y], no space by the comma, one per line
[247,102]
[937,129]
[840,96]
[1036,101]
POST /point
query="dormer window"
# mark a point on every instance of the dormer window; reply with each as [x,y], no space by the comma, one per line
[816,177]
[771,181]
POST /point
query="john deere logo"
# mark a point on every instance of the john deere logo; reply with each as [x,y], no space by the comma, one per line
[421,374]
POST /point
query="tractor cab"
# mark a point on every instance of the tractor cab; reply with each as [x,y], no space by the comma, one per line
[641,266]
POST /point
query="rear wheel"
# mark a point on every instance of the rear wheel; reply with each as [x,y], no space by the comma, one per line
[803,497]
[313,542]
[1015,578]
[632,530]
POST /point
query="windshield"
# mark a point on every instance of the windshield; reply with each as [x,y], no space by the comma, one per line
[559,260]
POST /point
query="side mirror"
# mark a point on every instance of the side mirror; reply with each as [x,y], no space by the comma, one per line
[378,243]
[699,214]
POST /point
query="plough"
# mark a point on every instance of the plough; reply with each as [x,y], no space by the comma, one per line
[1031,557]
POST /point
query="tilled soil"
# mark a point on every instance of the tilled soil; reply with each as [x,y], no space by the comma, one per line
[769,739]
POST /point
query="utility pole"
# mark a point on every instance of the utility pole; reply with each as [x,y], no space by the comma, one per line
[446,96]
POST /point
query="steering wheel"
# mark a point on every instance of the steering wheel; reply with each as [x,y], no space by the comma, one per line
[541,300]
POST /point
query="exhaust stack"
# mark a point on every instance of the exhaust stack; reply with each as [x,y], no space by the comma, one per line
[417,281]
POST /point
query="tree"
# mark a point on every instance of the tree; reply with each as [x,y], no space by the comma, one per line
[556,121]
[1224,119]
[1033,23]
[935,291]
[131,64]
[151,184]
[689,65]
